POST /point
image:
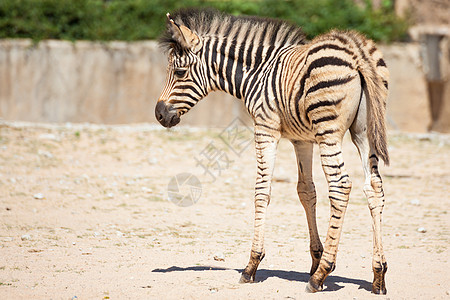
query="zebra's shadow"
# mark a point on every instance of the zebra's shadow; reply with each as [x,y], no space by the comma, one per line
[331,283]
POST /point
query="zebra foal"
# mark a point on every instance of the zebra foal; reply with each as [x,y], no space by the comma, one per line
[307,92]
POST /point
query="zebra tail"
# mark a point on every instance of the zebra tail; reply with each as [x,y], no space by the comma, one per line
[375,84]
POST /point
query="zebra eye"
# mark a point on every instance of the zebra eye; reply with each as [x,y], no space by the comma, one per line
[180,72]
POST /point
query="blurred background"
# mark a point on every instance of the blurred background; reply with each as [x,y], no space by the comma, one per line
[97,61]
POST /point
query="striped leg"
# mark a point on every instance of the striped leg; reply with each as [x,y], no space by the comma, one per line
[266,147]
[375,196]
[339,186]
[374,192]
[307,194]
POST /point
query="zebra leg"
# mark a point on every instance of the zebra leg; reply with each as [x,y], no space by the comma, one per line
[374,192]
[307,194]
[266,147]
[375,196]
[339,186]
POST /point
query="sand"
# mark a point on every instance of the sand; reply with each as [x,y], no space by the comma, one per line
[84,214]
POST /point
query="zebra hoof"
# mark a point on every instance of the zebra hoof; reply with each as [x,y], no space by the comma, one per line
[379,291]
[379,286]
[311,287]
[379,283]
[245,279]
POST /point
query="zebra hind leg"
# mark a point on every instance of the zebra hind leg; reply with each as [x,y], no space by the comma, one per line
[307,194]
[373,190]
[339,186]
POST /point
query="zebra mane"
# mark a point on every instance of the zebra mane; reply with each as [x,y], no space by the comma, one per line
[211,22]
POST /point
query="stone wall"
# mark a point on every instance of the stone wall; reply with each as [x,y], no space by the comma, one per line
[119,82]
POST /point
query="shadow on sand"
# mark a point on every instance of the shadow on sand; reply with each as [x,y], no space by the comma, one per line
[331,283]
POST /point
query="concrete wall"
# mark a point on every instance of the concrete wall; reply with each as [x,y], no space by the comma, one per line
[118,82]
[407,106]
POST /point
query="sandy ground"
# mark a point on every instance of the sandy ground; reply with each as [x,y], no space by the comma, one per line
[84,215]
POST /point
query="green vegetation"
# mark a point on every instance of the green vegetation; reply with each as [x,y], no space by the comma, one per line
[132,20]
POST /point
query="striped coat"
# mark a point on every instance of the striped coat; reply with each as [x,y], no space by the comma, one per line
[307,92]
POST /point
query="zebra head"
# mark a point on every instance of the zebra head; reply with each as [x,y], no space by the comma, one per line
[185,80]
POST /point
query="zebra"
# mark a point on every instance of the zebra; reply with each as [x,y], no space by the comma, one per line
[306,91]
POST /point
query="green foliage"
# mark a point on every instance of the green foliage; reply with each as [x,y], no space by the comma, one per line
[132,20]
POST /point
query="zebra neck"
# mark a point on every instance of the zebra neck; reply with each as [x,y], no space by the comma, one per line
[240,68]
[229,66]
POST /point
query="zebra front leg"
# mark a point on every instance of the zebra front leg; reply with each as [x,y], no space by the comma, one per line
[266,147]
[339,186]
[307,194]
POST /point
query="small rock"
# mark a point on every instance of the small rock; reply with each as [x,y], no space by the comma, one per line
[119,233]
[8,239]
[291,239]
[45,153]
[415,202]
[130,182]
[363,256]
[421,230]
[213,290]
[271,266]
[26,237]
[146,190]
[49,136]
[110,195]
[38,196]
[12,180]
[152,161]
[96,233]
[219,256]
[74,243]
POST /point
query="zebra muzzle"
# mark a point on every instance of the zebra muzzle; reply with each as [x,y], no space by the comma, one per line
[166,115]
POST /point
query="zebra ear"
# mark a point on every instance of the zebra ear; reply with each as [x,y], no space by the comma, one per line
[186,37]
